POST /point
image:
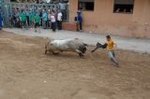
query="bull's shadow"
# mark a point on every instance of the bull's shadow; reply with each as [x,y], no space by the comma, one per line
[66,55]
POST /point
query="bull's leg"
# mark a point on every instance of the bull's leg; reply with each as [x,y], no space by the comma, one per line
[45,51]
[55,53]
[79,53]
[48,51]
[46,46]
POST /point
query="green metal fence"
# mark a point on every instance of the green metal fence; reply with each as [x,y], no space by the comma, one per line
[8,7]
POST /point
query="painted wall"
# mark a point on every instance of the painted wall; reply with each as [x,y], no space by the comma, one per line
[103,20]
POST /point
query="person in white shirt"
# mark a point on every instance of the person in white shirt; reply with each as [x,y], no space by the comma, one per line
[53,21]
[49,18]
[59,20]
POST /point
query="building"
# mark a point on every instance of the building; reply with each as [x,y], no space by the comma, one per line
[118,17]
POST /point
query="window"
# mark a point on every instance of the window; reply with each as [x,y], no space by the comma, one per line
[86,5]
[123,6]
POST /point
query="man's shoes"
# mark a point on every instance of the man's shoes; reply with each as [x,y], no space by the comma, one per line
[117,64]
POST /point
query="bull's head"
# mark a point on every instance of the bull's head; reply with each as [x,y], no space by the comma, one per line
[83,48]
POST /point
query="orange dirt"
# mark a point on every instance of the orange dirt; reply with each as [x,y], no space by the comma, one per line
[27,73]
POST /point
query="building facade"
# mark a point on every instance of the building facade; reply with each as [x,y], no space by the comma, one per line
[117,17]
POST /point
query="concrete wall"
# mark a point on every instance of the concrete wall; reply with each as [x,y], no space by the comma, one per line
[103,20]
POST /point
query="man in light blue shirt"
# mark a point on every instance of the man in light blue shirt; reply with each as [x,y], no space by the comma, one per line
[44,18]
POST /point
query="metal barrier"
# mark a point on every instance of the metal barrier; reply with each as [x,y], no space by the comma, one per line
[7,9]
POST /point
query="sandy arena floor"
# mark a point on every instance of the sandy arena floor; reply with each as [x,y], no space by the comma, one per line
[27,73]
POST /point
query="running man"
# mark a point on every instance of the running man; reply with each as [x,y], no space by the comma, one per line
[110,45]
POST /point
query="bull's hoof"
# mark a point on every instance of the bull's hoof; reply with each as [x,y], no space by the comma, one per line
[81,55]
[45,51]
[55,53]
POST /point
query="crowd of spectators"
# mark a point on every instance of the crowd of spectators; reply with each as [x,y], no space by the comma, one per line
[46,16]
[35,17]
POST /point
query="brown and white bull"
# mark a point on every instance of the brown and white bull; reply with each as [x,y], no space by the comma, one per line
[57,46]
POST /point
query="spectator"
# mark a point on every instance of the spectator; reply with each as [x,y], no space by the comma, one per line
[1,11]
[17,18]
[13,18]
[37,22]
[40,14]
[44,18]
[10,24]
[53,21]
[49,18]
[27,12]
[63,9]
[17,13]
[79,21]
[31,18]
[59,20]
[23,19]
[1,22]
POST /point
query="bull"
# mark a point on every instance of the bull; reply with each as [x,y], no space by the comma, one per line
[58,46]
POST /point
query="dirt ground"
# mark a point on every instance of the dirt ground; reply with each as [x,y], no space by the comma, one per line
[27,73]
